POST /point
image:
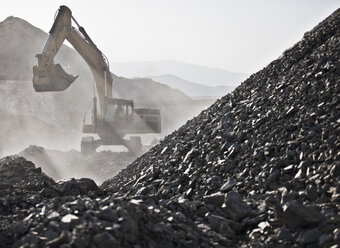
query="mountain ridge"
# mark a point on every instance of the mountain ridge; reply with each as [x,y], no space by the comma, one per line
[190,72]
[192,89]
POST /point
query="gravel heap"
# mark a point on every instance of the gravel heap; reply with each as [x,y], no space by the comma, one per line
[19,177]
[21,182]
[261,166]
[35,211]
[258,168]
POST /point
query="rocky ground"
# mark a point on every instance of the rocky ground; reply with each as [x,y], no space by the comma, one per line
[259,168]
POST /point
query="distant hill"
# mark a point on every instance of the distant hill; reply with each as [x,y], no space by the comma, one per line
[190,88]
[190,72]
[146,89]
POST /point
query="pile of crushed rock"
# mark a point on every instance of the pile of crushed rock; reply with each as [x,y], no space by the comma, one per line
[260,167]
[35,211]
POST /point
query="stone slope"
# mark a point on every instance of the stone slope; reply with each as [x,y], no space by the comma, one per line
[261,156]
[35,211]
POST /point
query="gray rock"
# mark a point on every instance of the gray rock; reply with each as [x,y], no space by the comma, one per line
[296,215]
[142,191]
[57,242]
[284,234]
[160,227]
[69,218]
[336,233]
[216,199]
[215,180]
[228,185]
[104,240]
[309,236]
[235,207]
[50,234]
[53,215]
[78,187]
[48,192]
[325,238]
[87,185]
[311,192]
[220,225]
[181,216]
[107,214]
[65,186]
[3,241]
[264,226]
[78,242]
[20,228]
[335,170]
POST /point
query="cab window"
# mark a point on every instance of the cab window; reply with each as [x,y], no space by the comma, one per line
[124,107]
[120,112]
[129,109]
[110,112]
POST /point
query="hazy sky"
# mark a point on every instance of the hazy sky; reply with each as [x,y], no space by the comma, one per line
[238,35]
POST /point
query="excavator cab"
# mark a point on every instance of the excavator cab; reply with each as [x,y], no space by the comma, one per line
[118,111]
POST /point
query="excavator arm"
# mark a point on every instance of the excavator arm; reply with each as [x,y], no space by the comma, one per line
[48,76]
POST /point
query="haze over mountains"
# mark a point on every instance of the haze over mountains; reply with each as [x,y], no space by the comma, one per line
[190,72]
[22,41]
[192,89]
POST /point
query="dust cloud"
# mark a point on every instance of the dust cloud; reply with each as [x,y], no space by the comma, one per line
[53,121]
[72,164]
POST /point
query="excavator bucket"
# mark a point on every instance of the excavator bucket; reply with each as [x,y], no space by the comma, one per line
[52,80]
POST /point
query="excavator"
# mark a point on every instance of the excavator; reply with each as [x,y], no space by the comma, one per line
[114,117]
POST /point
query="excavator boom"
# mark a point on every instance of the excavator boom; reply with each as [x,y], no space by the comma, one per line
[48,76]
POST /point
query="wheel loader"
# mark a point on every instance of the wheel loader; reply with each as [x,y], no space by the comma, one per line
[112,118]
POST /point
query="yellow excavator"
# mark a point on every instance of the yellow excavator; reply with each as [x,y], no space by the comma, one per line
[115,117]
